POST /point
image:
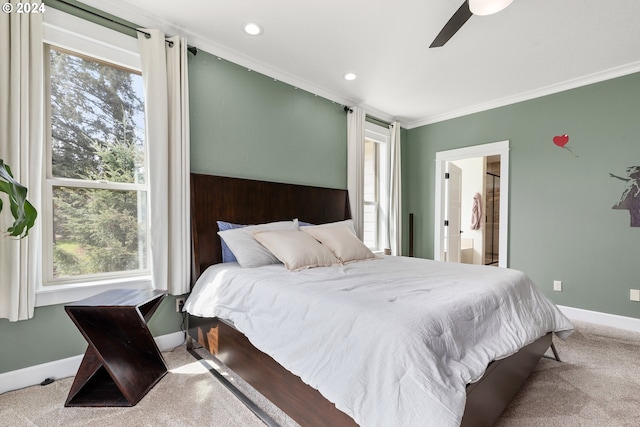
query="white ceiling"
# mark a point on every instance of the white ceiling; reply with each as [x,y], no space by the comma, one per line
[532,48]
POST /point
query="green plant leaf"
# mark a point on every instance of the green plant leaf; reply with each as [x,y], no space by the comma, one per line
[23,212]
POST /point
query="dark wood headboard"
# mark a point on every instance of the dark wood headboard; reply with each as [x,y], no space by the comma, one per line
[245,201]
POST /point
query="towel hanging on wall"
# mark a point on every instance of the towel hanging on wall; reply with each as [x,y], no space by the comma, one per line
[476,212]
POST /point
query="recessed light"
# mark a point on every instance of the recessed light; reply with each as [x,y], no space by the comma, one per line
[252,29]
[350,76]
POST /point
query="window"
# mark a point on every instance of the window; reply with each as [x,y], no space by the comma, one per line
[95,207]
[376,183]
[371,194]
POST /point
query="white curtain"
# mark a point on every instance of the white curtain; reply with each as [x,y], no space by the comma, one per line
[395,193]
[355,166]
[164,71]
[21,146]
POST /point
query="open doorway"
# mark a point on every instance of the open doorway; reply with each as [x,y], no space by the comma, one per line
[464,203]
[486,244]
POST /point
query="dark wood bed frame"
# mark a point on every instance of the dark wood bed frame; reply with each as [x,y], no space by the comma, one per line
[245,201]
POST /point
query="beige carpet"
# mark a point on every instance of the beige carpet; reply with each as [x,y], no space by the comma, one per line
[187,396]
[597,384]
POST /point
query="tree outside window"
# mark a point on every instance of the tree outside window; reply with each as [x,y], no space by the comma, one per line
[96,177]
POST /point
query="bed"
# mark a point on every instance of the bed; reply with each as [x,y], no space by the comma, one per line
[253,202]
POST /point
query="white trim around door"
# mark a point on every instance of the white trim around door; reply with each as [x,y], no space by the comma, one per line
[500,148]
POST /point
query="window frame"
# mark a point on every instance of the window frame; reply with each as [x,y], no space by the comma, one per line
[381,136]
[77,36]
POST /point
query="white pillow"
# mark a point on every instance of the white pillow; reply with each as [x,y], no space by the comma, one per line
[346,223]
[342,241]
[297,250]
[247,250]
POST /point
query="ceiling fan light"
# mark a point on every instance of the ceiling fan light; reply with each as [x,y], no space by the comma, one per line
[487,7]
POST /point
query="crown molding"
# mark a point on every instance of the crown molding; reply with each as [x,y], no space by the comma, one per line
[146,19]
[600,76]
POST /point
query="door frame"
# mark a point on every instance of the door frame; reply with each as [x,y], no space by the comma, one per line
[500,148]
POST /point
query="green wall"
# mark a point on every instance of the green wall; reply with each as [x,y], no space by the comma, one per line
[561,225]
[243,124]
[247,125]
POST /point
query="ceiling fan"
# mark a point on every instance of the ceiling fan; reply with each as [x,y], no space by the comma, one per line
[462,15]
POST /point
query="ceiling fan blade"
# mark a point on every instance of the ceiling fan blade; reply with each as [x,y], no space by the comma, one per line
[458,19]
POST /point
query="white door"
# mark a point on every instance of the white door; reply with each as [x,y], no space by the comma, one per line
[453,191]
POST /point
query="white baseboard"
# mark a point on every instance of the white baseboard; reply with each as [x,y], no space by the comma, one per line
[604,319]
[20,378]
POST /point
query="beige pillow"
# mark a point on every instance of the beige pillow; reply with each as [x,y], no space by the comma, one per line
[344,244]
[297,250]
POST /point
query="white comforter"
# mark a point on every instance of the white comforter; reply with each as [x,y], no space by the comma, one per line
[392,341]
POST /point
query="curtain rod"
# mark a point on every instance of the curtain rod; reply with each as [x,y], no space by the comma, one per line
[377,121]
[371,119]
[192,49]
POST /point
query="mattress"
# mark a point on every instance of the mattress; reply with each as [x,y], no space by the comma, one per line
[391,341]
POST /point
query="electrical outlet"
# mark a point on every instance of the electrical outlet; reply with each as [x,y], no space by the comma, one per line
[557,285]
[179,304]
[634,295]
